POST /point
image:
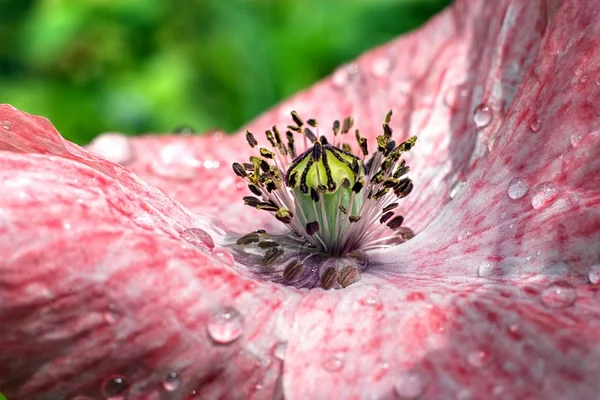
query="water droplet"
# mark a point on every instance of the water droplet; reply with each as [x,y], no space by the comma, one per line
[575,139]
[223,255]
[410,385]
[176,161]
[535,124]
[486,269]
[464,235]
[333,364]
[115,388]
[517,188]
[482,116]
[598,81]
[584,78]
[455,188]
[217,136]
[456,96]
[171,382]
[115,147]
[559,295]
[280,349]
[479,358]
[594,274]
[343,75]
[381,67]
[225,325]
[198,237]
[543,194]
[371,300]
[6,125]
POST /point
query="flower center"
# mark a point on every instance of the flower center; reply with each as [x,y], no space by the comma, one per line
[336,205]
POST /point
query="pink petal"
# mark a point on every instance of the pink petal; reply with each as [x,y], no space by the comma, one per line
[96,282]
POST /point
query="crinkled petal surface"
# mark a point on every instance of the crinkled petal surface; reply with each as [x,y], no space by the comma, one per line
[492,299]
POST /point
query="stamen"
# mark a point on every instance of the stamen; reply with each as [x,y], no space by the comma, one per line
[330,198]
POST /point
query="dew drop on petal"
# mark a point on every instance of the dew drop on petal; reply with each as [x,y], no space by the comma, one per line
[584,78]
[6,125]
[115,388]
[343,75]
[225,325]
[535,124]
[171,382]
[517,188]
[115,147]
[479,358]
[594,274]
[410,385]
[482,116]
[543,194]
[381,67]
[456,96]
[198,237]
[598,81]
[559,295]
[176,161]
[223,255]
[575,139]
[280,349]
[333,363]
[486,269]
[455,188]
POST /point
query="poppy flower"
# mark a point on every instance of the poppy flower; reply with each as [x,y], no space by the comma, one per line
[122,275]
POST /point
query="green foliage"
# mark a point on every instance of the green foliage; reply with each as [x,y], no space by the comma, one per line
[135,66]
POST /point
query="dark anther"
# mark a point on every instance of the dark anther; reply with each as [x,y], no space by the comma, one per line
[343,209]
[336,127]
[312,228]
[284,215]
[378,177]
[323,140]
[358,185]
[362,143]
[348,275]
[295,128]
[381,192]
[329,278]
[293,270]
[312,122]
[387,131]
[396,222]
[291,148]
[314,195]
[388,117]
[297,119]
[385,217]
[267,207]
[271,257]
[406,233]
[401,171]
[260,231]
[271,138]
[264,166]
[381,143]
[277,136]
[346,147]
[250,138]
[347,125]
[390,207]
[404,187]
[390,183]
[239,170]
[310,135]
[354,218]
[292,180]
[271,186]
[389,147]
[251,201]
[248,166]
[255,189]
[267,244]
[266,153]
[248,239]
[407,145]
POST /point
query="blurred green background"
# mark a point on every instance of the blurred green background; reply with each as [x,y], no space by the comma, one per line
[136,66]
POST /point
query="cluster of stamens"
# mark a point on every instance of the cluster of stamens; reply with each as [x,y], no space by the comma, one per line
[336,204]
